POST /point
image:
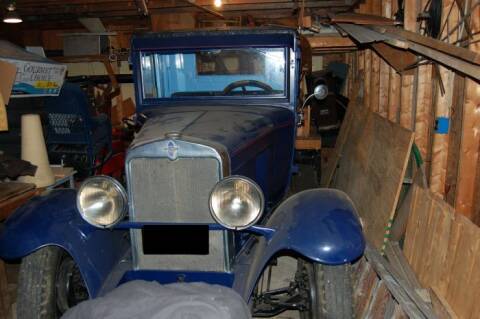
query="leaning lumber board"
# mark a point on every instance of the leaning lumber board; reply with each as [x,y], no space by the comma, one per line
[383,269]
[432,43]
[358,18]
[371,171]
[365,287]
[399,225]
[441,307]
[443,248]
[462,293]
[378,306]
[329,170]
[400,265]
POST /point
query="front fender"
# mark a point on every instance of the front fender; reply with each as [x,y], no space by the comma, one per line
[319,224]
[53,219]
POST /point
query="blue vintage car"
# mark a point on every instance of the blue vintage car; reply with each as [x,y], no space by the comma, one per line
[204,200]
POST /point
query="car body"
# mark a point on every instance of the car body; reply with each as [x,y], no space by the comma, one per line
[191,140]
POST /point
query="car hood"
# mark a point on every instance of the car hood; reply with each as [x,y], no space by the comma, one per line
[235,127]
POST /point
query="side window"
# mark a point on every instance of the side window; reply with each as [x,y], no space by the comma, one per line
[149,79]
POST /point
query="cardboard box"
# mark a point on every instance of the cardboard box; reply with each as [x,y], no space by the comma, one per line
[7,78]
[8,72]
[36,75]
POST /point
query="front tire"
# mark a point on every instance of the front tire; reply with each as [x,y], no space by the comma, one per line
[49,283]
[329,289]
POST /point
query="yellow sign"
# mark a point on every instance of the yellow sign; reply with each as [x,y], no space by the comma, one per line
[46,85]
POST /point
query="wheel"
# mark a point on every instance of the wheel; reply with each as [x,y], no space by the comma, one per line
[328,290]
[49,283]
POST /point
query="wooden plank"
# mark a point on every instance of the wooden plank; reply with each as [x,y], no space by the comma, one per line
[368,77]
[440,139]
[400,222]
[308,143]
[324,42]
[399,313]
[375,83]
[358,18]
[459,294]
[474,285]
[378,305]
[455,139]
[429,42]
[329,170]
[407,101]
[390,309]
[404,275]
[472,70]
[370,158]
[424,233]
[423,115]
[400,265]
[394,97]
[441,307]
[440,243]
[399,59]
[10,189]
[454,237]
[383,269]
[384,88]
[470,142]
[364,289]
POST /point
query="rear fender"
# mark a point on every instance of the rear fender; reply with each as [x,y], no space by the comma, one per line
[53,219]
[318,224]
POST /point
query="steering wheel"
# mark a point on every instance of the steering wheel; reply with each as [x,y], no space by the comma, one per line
[244,83]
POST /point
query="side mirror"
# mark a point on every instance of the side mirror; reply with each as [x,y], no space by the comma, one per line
[320,92]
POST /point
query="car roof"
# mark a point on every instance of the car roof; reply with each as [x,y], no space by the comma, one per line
[212,38]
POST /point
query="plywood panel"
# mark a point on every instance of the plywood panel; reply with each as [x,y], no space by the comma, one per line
[443,248]
[371,170]
[355,107]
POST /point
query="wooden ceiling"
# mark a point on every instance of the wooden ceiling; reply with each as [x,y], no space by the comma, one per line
[55,14]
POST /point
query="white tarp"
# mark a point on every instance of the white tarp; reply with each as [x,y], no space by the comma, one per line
[150,300]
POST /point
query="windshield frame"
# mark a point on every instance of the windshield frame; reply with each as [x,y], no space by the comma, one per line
[252,99]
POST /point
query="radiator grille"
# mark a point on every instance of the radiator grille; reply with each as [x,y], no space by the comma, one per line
[175,192]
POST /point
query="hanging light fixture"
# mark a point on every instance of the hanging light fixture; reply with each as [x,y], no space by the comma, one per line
[217,3]
[12,16]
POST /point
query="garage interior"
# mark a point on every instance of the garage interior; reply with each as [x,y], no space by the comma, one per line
[398,130]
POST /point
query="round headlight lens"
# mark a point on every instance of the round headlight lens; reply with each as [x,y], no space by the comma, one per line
[236,202]
[102,201]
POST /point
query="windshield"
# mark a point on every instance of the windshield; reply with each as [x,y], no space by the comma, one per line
[224,72]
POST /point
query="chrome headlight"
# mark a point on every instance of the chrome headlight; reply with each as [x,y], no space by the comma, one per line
[102,201]
[236,202]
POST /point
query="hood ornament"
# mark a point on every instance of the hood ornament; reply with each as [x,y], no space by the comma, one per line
[172,150]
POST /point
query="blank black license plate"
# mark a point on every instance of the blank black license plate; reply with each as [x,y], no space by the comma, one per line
[175,240]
